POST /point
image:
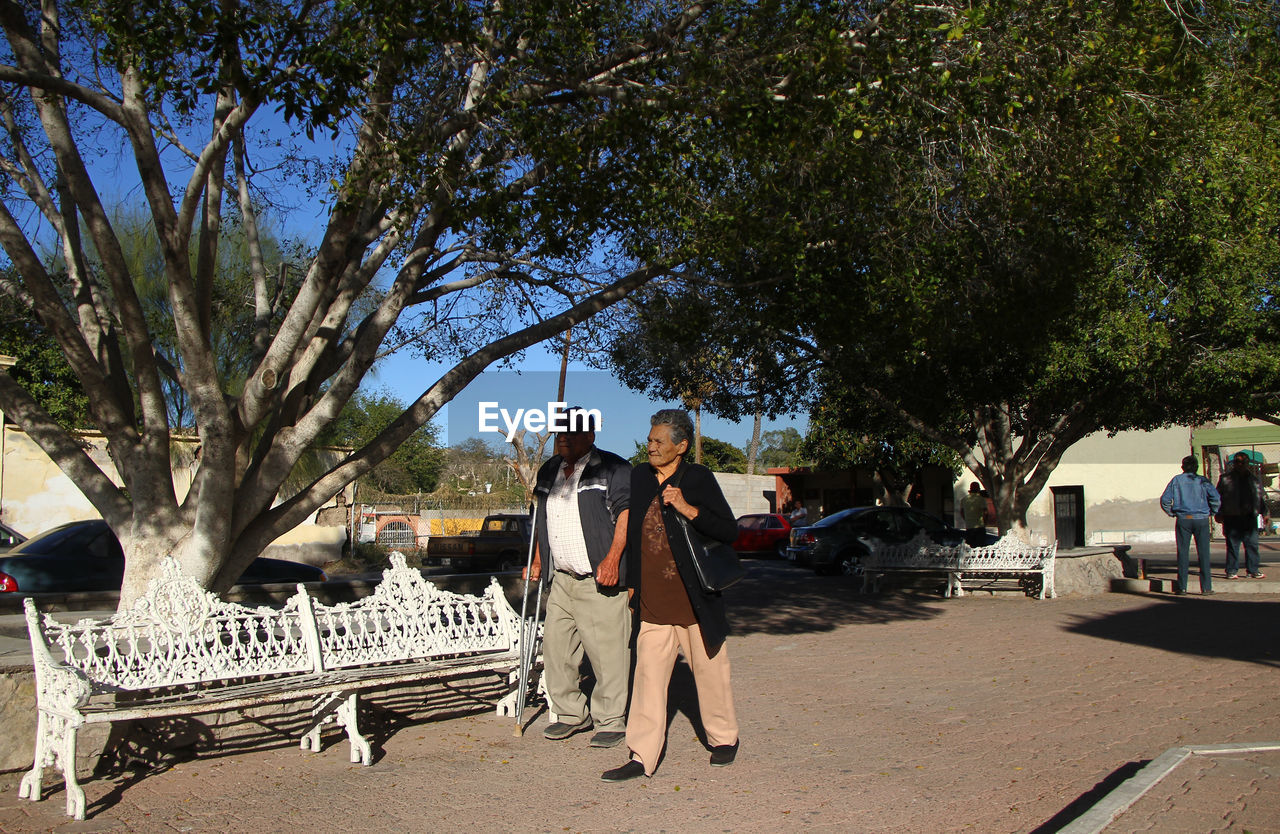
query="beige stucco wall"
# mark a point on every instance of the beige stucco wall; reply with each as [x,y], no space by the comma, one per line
[1123,477]
[35,495]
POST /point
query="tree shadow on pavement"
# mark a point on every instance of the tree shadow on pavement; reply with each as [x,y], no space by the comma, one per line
[1234,629]
[780,598]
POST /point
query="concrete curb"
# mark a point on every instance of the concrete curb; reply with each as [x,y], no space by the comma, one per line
[1220,586]
[1097,818]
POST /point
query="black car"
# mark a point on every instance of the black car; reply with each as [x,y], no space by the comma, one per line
[9,537]
[838,543]
[86,556]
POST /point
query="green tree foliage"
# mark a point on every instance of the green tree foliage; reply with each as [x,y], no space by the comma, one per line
[41,368]
[721,456]
[475,467]
[415,466]
[469,166]
[998,227]
[854,432]
[782,447]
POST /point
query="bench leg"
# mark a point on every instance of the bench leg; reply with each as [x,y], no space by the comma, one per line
[322,712]
[344,709]
[55,746]
[348,717]
[507,706]
[32,784]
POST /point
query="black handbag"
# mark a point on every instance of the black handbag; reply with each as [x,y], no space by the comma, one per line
[717,564]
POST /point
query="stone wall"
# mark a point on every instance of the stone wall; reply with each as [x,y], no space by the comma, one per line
[746,493]
[1086,573]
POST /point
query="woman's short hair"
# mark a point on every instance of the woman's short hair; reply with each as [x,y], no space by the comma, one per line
[677,420]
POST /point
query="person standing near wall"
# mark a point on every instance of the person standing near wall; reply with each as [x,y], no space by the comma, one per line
[1190,499]
[1243,504]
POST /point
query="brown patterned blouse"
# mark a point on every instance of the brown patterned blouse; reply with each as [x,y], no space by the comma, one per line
[663,598]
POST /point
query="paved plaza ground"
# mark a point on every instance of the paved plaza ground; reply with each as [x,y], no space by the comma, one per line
[899,712]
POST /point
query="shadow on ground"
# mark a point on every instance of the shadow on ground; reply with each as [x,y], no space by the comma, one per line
[780,598]
[1087,800]
[1235,629]
[142,748]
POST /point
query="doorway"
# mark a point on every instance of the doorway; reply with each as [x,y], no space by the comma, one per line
[1068,516]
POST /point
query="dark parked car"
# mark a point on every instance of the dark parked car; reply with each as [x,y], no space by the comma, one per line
[86,556]
[763,534]
[838,543]
[501,544]
[9,537]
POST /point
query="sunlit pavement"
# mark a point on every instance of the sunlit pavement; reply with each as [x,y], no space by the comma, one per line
[900,712]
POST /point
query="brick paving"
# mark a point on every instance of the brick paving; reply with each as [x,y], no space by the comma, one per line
[1237,792]
[902,712]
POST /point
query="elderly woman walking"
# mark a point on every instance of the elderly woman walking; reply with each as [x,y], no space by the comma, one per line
[676,615]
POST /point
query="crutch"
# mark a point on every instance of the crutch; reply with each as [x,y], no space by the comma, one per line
[528,631]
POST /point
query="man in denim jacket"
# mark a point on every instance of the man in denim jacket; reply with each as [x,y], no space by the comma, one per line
[1191,500]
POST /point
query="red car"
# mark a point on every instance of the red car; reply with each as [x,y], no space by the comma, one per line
[763,534]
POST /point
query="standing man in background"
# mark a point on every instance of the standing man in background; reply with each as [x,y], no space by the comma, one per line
[1243,504]
[1191,500]
[583,497]
[974,510]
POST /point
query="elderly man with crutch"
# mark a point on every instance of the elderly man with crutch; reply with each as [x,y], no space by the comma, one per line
[580,518]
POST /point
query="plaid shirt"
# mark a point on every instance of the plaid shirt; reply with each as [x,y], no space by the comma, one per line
[564,525]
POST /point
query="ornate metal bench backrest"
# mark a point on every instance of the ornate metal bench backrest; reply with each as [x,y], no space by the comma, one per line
[1009,553]
[409,618]
[920,552]
[176,633]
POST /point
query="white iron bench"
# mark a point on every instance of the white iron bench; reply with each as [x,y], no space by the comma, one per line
[1010,557]
[180,650]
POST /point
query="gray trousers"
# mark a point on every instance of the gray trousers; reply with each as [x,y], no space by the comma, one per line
[582,619]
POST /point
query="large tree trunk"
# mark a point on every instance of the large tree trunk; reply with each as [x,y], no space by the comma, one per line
[1015,469]
[895,490]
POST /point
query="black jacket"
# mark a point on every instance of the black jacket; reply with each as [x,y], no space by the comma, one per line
[1241,493]
[715,521]
[603,492]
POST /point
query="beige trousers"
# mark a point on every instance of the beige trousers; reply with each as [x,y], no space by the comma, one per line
[656,648]
[582,619]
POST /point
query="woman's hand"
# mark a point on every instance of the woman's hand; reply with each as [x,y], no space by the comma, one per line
[673,497]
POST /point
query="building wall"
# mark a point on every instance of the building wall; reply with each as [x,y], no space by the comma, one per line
[1123,477]
[35,495]
[746,493]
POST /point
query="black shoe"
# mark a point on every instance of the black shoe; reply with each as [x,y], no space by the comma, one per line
[1179,592]
[722,755]
[631,770]
[561,730]
[607,738]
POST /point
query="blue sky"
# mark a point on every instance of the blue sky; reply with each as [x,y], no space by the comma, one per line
[624,413]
